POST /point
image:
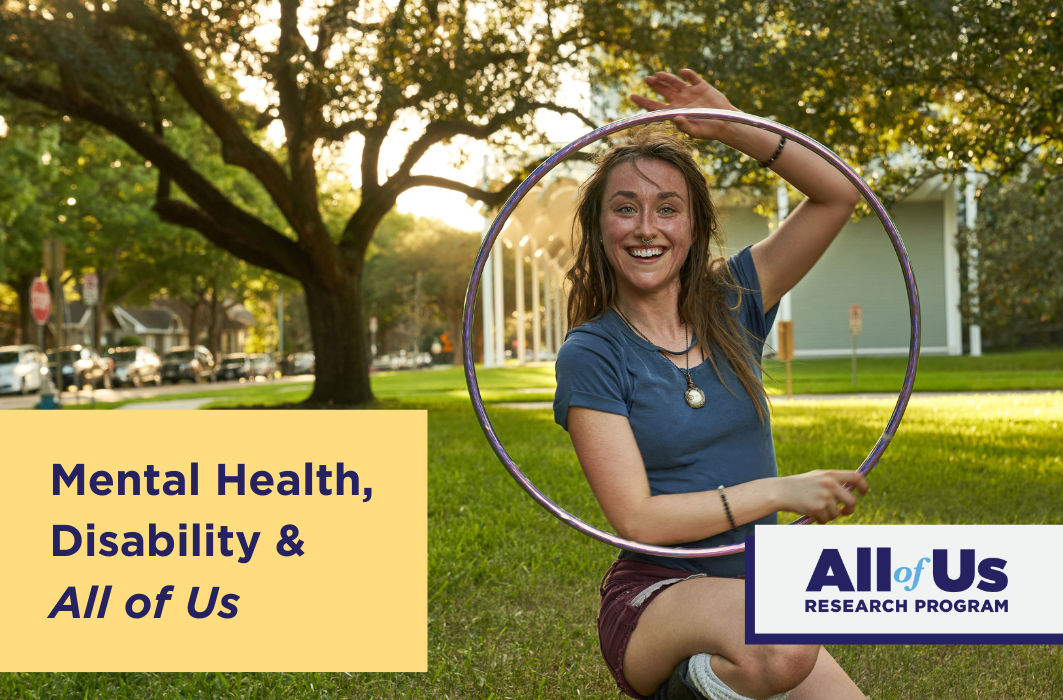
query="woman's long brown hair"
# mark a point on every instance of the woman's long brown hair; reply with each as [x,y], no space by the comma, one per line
[704,281]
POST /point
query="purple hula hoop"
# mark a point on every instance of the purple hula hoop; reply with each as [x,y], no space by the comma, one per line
[511,204]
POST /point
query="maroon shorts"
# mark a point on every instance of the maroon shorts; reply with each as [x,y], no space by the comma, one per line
[627,590]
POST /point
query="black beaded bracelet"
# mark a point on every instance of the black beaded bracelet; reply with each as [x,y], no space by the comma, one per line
[727,508]
[769,161]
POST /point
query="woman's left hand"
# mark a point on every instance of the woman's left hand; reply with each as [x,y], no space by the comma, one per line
[692,92]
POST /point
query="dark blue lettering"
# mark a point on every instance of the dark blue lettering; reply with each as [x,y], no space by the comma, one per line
[941,571]
[830,571]
[57,540]
[223,479]
[863,568]
[992,570]
[228,604]
[137,598]
[154,536]
[342,474]
[67,603]
[260,483]
[289,485]
[210,605]
[76,474]
[134,548]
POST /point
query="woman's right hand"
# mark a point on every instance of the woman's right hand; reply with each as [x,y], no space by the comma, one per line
[822,494]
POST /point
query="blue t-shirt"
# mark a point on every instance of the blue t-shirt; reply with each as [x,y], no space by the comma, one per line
[605,366]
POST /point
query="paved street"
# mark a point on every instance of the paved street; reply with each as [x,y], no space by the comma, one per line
[223,389]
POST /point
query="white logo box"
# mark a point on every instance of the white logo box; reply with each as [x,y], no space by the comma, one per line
[1020,565]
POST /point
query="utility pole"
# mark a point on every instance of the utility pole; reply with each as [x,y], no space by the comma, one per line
[536,326]
[521,340]
[487,283]
[974,331]
[280,325]
[54,263]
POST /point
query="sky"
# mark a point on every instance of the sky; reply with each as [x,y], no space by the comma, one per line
[449,206]
[462,160]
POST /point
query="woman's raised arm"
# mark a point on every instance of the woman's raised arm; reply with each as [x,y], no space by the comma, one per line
[784,257]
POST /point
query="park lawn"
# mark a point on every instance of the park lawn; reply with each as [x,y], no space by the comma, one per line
[1032,369]
[513,592]
[1037,369]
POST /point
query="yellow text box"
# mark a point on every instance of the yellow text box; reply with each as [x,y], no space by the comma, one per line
[355,600]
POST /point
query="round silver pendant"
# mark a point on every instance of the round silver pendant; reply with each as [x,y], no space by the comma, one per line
[695,397]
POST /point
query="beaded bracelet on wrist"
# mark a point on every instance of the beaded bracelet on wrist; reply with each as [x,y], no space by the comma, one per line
[778,151]
[727,508]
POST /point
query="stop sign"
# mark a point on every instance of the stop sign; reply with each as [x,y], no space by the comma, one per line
[40,301]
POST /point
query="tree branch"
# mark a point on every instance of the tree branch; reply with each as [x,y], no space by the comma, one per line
[182,214]
[440,131]
[237,148]
[242,231]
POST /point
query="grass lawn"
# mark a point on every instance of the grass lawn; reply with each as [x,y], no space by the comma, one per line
[1037,369]
[1034,369]
[513,592]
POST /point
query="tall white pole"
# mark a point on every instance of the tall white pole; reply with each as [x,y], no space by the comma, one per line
[971,209]
[487,283]
[558,303]
[500,316]
[562,308]
[782,203]
[522,342]
[548,317]
[536,329]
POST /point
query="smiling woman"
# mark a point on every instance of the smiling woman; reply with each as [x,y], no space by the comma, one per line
[655,315]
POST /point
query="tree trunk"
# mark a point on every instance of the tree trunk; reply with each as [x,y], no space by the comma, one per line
[193,323]
[100,309]
[340,345]
[26,323]
[213,330]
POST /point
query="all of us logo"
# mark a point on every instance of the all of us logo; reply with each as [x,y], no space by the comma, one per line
[904,584]
[831,573]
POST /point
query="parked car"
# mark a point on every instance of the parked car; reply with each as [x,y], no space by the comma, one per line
[235,366]
[300,363]
[81,365]
[403,360]
[136,365]
[22,368]
[186,362]
[262,365]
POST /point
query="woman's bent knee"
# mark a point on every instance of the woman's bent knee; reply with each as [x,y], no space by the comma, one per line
[777,669]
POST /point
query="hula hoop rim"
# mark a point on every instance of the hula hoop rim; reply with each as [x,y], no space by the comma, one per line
[546,166]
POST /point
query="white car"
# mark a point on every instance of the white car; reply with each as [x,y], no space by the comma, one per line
[22,368]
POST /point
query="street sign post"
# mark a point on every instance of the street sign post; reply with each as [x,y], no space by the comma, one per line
[856,327]
[90,296]
[53,255]
[41,309]
[54,261]
[40,302]
[90,289]
[786,352]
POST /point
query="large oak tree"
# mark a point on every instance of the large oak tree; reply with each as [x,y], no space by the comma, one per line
[327,72]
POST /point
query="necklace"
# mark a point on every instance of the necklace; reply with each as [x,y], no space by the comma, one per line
[694,396]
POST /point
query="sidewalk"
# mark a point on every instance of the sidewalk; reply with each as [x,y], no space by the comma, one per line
[125,394]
